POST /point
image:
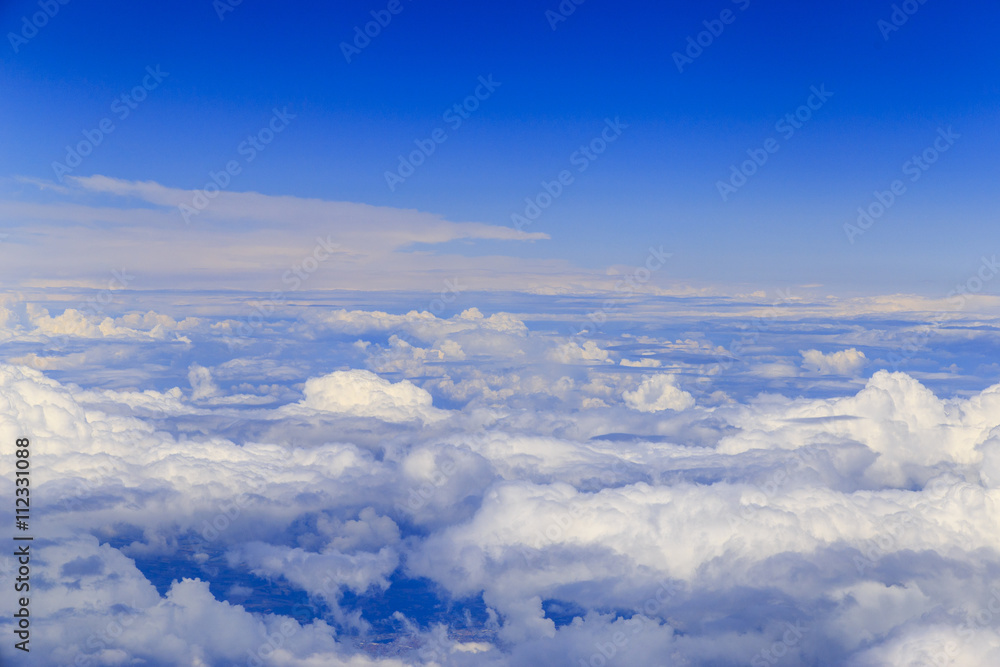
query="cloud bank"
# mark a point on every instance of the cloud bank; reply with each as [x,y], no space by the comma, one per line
[483,490]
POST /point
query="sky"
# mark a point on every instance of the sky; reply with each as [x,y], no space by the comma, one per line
[557,82]
[549,333]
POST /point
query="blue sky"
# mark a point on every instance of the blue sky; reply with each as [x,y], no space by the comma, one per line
[656,184]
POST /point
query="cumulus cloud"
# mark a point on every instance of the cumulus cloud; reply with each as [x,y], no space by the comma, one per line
[656,393]
[325,575]
[586,352]
[493,494]
[424,324]
[202,385]
[361,393]
[645,362]
[73,322]
[843,362]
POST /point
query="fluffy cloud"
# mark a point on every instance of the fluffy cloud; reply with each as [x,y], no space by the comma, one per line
[73,322]
[656,393]
[586,353]
[844,362]
[324,575]
[202,385]
[361,393]
[423,324]
[497,495]
[646,362]
[912,430]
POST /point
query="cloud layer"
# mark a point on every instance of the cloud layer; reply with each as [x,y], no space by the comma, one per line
[358,486]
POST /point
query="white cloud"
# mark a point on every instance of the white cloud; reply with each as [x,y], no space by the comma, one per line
[645,362]
[202,385]
[361,393]
[241,240]
[656,393]
[423,324]
[588,352]
[325,575]
[91,323]
[844,362]
[559,483]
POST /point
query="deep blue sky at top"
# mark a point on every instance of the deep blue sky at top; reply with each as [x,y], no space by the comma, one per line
[655,185]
